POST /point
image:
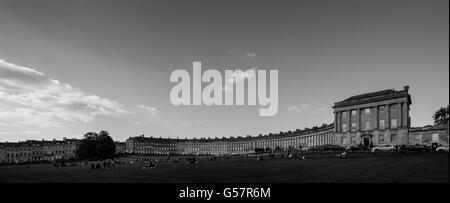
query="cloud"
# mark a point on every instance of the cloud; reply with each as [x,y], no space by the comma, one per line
[240,52]
[19,132]
[152,110]
[201,122]
[300,108]
[43,101]
[239,76]
[250,54]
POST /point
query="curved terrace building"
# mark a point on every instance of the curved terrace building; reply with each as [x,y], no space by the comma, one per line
[240,145]
[371,119]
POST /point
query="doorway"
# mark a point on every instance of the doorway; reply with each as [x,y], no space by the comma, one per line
[366,142]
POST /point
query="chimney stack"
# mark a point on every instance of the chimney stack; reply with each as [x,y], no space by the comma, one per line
[406,88]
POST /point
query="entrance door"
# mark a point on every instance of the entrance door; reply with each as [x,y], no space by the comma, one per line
[366,142]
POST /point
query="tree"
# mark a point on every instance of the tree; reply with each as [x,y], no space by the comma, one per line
[105,148]
[96,146]
[441,116]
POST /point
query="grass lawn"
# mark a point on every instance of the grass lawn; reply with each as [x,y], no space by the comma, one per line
[382,167]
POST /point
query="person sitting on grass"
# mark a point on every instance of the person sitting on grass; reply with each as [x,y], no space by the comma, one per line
[342,155]
[150,165]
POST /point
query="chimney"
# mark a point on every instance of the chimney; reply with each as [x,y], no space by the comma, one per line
[406,88]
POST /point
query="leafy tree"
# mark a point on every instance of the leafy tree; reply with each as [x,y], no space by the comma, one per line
[441,116]
[96,146]
[105,147]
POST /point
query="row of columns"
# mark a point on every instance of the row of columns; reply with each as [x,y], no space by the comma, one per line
[317,139]
[401,121]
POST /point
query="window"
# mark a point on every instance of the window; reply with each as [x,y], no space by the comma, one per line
[354,113]
[381,139]
[367,110]
[435,137]
[353,125]
[344,127]
[382,126]
[367,125]
[342,140]
[394,123]
[394,138]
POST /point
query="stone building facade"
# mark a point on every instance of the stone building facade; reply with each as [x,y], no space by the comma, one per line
[300,139]
[150,145]
[429,135]
[373,119]
[121,147]
[36,151]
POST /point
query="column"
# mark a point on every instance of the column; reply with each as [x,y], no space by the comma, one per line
[388,115]
[407,116]
[400,115]
[335,122]
[349,122]
[358,119]
[376,118]
[339,122]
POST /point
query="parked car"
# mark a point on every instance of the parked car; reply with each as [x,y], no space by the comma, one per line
[442,149]
[415,148]
[353,148]
[326,148]
[390,148]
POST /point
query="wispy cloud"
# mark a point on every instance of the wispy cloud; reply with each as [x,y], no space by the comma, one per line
[239,76]
[152,110]
[301,108]
[43,101]
[201,122]
[242,53]
[250,54]
[19,132]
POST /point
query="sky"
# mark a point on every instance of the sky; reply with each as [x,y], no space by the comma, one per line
[68,67]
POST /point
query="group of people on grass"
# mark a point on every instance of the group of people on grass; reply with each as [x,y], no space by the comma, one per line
[107,164]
